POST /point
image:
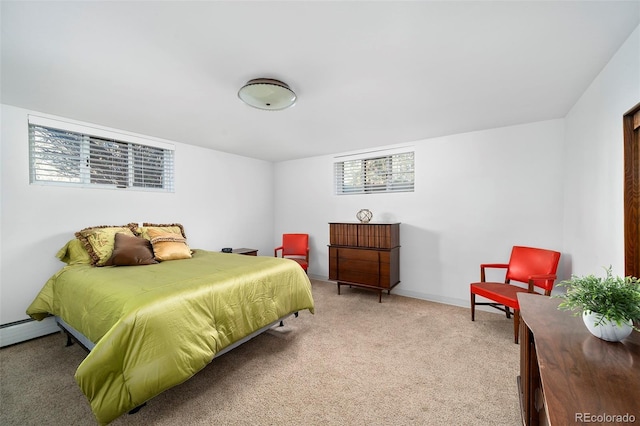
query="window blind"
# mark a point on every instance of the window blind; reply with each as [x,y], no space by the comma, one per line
[387,173]
[63,157]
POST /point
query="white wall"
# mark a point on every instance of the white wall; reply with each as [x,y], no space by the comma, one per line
[477,194]
[554,184]
[593,206]
[221,199]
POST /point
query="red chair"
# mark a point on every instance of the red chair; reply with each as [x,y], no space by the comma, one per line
[532,266]
[295,247]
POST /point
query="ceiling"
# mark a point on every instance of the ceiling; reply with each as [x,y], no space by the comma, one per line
[367,74]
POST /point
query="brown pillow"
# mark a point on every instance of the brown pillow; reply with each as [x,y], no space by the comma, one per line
[168,245]
[131,251]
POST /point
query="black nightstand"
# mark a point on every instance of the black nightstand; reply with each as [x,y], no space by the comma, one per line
[246,251]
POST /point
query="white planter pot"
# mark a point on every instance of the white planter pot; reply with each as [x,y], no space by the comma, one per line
[606,330]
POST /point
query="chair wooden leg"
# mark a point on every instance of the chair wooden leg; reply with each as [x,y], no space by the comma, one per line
[516,325]
[507,311]
[473,307]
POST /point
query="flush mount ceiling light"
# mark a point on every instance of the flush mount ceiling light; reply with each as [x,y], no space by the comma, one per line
[267,93]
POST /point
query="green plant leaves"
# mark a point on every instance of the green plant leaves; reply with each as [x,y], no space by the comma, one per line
[615,298]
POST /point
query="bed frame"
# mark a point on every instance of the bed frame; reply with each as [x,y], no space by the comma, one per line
[74,335]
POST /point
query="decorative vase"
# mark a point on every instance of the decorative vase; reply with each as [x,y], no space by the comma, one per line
[606,329]
[364,216]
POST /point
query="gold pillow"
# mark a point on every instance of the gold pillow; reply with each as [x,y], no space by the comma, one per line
[74,253]
[99,240]
[143,231]
[168,245]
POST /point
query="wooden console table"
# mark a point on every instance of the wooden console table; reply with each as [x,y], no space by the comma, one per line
[567,375]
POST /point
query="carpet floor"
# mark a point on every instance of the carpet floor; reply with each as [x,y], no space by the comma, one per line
[354,362]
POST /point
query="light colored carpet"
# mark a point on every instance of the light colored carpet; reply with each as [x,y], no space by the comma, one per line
[355,362]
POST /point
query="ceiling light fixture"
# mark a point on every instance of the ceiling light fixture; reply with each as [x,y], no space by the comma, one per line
[267,93]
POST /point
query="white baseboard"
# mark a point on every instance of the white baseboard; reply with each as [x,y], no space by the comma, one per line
[432,298]
[462,303]
[318,277]
[27,330]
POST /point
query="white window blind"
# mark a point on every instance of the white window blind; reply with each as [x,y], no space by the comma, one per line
[386,173]
[64,157]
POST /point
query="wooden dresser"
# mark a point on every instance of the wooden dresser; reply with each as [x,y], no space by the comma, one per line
[567,375]
[365,255]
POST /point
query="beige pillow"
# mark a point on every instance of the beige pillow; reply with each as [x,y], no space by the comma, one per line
[168,245]
[99,241]
[143,230]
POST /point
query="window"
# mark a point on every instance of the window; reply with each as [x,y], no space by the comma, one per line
[387,173]
[97,158]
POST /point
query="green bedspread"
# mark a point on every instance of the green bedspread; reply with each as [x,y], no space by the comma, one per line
[155,326]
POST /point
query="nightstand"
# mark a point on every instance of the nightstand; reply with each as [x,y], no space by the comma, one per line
[246,251]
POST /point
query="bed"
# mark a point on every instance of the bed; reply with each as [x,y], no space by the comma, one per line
[151,327]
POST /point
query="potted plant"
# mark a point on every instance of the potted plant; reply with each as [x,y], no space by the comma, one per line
[609,305]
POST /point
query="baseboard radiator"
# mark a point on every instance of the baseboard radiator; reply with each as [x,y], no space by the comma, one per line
[21,331]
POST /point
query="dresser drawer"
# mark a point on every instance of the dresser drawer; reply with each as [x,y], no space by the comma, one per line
[354,265]
[351,276]
[358,255]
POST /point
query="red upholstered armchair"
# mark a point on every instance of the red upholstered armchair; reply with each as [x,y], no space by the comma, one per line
[534,267]
[295,247]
